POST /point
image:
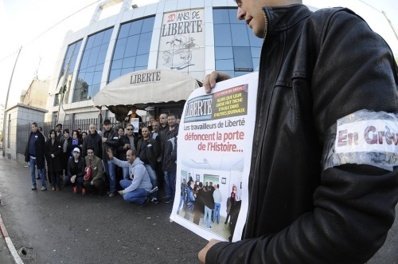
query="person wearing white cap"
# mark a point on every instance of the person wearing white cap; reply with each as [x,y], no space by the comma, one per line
[75,171]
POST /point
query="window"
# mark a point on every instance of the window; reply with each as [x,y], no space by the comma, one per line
[68,66]
[91,67]
[237,49]
[132,47]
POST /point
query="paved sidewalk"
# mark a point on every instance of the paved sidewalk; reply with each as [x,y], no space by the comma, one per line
[5,255]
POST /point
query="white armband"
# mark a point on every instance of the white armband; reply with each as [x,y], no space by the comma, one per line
[363,137]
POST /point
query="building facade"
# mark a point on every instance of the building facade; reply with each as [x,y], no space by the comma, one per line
[193,37]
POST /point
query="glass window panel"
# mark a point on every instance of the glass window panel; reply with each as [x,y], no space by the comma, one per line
[135,27]
[233,19]
[120,47]
[239,35]
[81,76]
[69,62]
[97,77]
[223,35]
[129,62]
[240,73]
[254,40]
[93,56]
[256,64]
[99,67]
[140,68]
[144,44]
[107,36]
[220,16]
[90,42]
[84,62]
[124,30]
[256,52]
[114,74]
[230,73]
[141,61]
[93,90]
[225,65]
[126,70]
[90,69]
[117,64]
[147,25]
[98,39]
[131,46]
[89,77]
[223,53]
[102,51]
[242,59]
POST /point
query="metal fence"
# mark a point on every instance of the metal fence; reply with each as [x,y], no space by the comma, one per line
[23,131]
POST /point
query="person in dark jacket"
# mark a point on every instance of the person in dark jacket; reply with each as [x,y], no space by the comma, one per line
[53,151]
[109,141]
[76,171]
[169,165]
[66,144]
[123,146]
[34,155]
[148,152]
[209,205]
[94,141]
[311,199]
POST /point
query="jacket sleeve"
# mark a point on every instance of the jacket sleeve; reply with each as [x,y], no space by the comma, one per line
[354,205]
[99,172]
[82,165]
[139,173]
[120,163]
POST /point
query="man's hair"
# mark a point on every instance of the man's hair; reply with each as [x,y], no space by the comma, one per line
[164,114]
[58,125]
[90,147]
[34,124]
[107,122]
[133,152]
[66,130]
[130,125]
[172,114]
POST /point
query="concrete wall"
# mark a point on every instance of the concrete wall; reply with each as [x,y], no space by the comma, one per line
[19,119]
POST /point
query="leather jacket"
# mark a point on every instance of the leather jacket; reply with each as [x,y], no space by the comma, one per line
[315,68]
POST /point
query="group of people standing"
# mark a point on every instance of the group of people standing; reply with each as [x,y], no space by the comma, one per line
[111,161]
[200,200]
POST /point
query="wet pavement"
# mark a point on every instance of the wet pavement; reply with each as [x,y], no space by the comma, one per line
[61,227]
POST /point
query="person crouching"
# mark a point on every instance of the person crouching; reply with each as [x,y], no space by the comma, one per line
[94,180]
[137,188]
[75,171]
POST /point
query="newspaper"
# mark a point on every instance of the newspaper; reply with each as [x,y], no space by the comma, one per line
[213,159]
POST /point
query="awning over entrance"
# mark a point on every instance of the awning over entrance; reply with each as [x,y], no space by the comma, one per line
[144,88]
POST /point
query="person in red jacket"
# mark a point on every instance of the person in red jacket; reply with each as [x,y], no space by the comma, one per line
[323,183]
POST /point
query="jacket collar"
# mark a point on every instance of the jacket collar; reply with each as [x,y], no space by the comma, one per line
[284,17]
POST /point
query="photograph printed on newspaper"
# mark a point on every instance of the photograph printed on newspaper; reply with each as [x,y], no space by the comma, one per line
[213,159]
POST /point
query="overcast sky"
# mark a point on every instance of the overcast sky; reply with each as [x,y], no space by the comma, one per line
[23,21]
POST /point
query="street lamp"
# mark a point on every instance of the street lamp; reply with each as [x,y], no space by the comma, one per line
[6,103]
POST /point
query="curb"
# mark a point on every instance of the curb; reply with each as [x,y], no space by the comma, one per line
[10,245]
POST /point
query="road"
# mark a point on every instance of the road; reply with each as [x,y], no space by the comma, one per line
[61,227]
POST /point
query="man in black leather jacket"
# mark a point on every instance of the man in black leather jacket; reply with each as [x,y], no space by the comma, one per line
[309,201]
